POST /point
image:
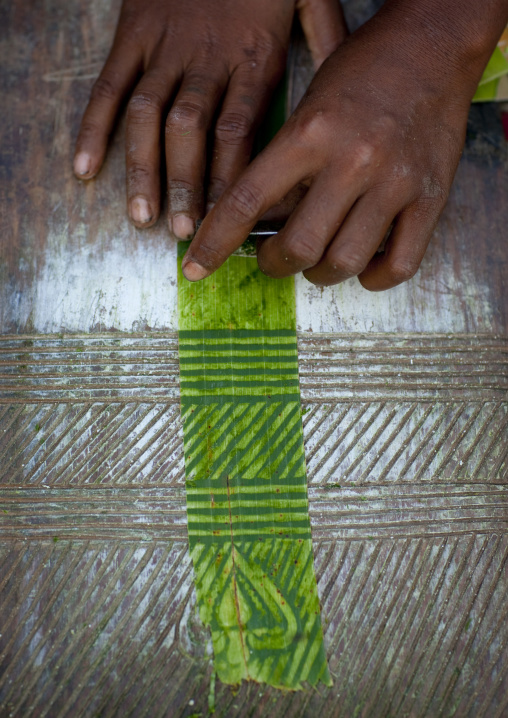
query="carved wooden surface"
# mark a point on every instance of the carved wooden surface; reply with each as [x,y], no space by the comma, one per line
[405,423]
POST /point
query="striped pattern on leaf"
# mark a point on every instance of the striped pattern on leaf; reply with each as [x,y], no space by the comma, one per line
[247,507]
[238,363]
[255,440]
[270,584]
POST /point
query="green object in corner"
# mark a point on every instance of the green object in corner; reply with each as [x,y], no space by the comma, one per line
[247,508]
[488,86]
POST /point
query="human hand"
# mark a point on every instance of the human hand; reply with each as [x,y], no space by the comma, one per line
[204,65]
[378,137]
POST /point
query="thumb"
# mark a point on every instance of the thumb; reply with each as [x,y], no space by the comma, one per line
[323,25]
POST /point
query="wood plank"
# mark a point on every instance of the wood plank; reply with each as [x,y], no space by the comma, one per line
[405,427]
[72,262]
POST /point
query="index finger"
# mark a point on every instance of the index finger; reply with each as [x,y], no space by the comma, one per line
[263,184]
[110,89]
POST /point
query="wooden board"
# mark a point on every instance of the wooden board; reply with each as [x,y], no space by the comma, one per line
[405,434]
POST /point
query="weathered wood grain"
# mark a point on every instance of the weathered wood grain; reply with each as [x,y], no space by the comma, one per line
[71,261]
[405,423]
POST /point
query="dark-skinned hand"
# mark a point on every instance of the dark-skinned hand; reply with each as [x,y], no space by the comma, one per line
[204,71]
[377,137]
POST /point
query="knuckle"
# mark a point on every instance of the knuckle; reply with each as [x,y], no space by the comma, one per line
[233,128]
[197,76]
[303,250]
[209,256]
[129,27]
[182,195]
[103,89]
[433,192]
[401,270]
[348,264]
[387,126]
[144,104]
[180,185]
[243,202]
[261,48]
[218,184]
[313,128]
[186,116]
[138,173]
[216,187]
[89,130]
[363,155]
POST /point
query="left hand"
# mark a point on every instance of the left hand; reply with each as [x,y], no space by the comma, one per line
[199,74]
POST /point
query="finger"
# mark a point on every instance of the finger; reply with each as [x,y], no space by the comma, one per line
[274,172]
[246,101]
[357,240]
[187,126]
[404,249]
[109,91]
[283,209]
[144,120]
[311,227]
[324,27]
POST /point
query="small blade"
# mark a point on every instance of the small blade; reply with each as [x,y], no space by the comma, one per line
[261,229]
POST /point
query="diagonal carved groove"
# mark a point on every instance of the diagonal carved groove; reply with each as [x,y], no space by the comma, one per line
[435,448]
[113,444]
[442,635]
[55,461]
[474,632]
[49,429]
[152,440]
[397,545]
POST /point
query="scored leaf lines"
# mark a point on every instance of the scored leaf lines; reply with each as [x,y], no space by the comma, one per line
[243,439]
[247,505]
[235,586]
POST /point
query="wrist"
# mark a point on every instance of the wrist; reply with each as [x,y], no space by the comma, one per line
[452,36]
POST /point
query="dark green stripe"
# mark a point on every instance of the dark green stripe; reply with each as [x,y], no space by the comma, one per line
[191,463]
[252,527]
[312,639]
[221,511]
[285,450]
[236,438]
[238,482]
[213,416]
[262,528]
[210,385]
[223,539]
[246,496]
[292,586]
[235,333]
[237,456]
[269,445]
[252,371]
[198,399]
[213,348]
[276,450]
[289,358]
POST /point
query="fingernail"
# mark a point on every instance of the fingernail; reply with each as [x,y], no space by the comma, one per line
[140,210]
[183,226]
[82,163]
[193,271]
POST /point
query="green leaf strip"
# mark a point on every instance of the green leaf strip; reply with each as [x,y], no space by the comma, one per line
[247,507]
